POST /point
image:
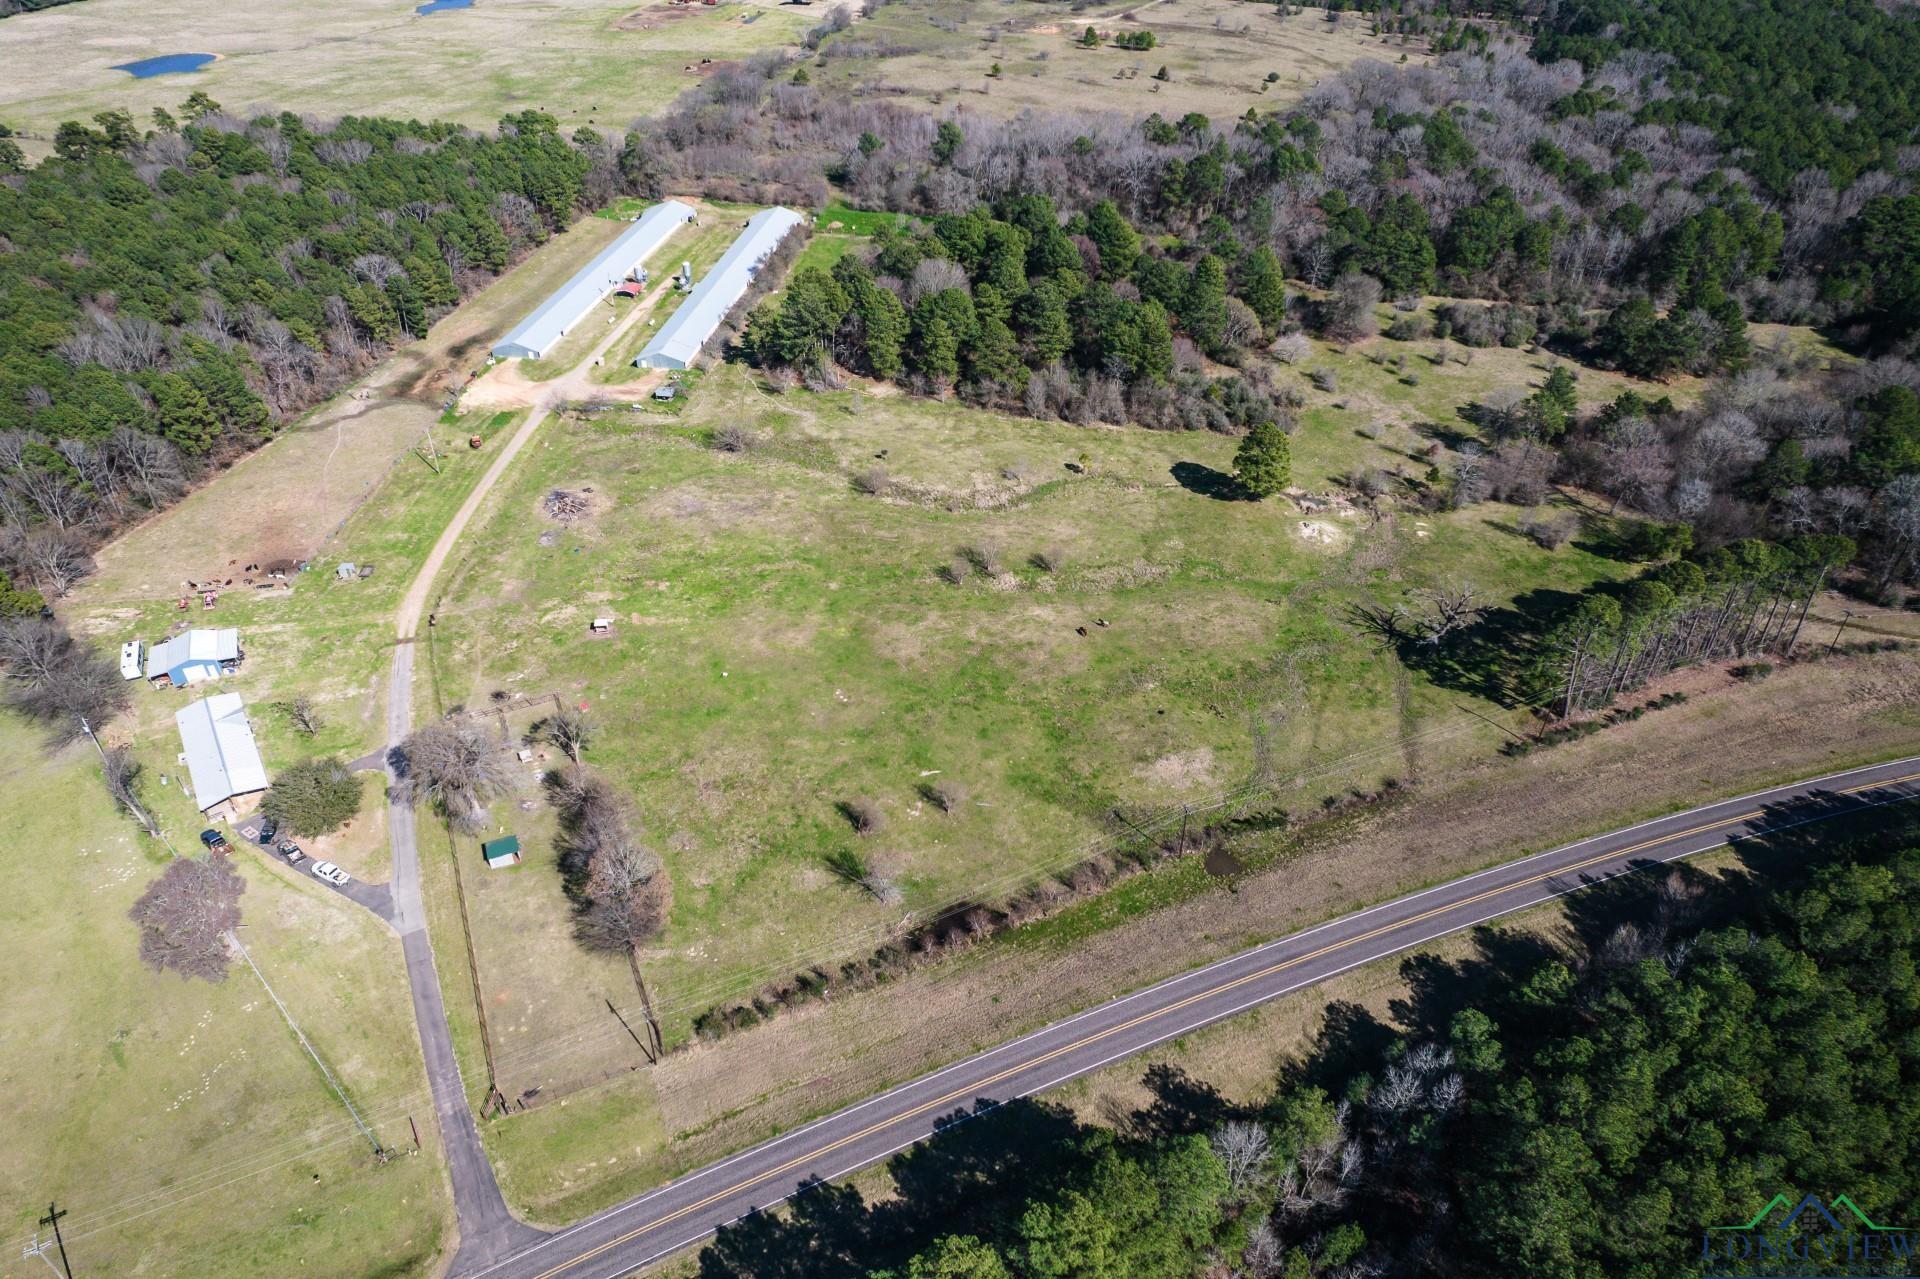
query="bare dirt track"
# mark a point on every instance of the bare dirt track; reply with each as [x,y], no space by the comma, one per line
[284,500]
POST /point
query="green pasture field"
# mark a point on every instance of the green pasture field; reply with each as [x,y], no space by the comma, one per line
[783,644]
[179,1121]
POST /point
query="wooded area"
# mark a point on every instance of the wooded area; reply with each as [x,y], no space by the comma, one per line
[1571,1113]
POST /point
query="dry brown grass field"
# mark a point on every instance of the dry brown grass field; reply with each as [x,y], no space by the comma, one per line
[1218,55]
[586,61]
[289,499]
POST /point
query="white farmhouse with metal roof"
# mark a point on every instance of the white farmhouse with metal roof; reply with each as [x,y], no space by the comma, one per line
[679,340]
[220,753]
[534,336]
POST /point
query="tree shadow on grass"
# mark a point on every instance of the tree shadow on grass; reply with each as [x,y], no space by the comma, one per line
[1351,1042]
[1496,657]
[1195,477]
[1181,1104]
[974,1176]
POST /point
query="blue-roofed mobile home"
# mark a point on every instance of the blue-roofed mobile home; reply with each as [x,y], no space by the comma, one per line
[679,340]
[193,656]
[534,336]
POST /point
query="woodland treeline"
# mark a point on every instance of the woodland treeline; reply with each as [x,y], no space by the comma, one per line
[169,294]
[173,290]
[1571,1111]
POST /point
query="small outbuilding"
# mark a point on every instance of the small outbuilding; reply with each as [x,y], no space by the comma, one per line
[193,656]
[501,852]
[217,746]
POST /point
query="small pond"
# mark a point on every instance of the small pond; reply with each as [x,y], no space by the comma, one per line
[435,6]
[165,64]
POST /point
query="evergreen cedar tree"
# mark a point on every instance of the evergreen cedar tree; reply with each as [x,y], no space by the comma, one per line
[314,797]
[1263,464]
[1030,297]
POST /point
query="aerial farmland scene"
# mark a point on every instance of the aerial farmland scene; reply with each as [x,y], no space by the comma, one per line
[960,639]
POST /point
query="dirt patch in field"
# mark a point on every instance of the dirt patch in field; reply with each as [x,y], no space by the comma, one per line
[1182,770]
[275,506]
[1322,533]
[653,16]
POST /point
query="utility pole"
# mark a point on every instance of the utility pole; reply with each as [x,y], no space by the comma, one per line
[1846,615]
[139,814]
[53,1219]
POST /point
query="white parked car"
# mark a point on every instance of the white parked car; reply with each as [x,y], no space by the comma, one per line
[331,873]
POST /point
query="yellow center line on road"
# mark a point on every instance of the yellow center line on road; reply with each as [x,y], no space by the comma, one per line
[1209,993]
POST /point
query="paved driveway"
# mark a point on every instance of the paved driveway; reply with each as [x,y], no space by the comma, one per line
[377,898]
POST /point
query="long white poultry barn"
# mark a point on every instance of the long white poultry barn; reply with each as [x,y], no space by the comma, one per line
[679,340]
[534,336]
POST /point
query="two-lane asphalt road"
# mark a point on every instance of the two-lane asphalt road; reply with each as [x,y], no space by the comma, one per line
[686,1211]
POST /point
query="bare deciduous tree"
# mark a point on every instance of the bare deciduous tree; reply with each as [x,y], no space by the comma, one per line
[1447,609]
[302,714]
[185,916]
[459,766]
[1243,1149]
[1347,314]
[568,731]
[54,680]
[1324,1170]
[52,558]
[621,898]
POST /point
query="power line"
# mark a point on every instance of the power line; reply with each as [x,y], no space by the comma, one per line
[333,1083]
[568,1044]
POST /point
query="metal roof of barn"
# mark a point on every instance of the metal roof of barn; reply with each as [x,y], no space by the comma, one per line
[221,755]
[221,645]
[679,340]
[536,334]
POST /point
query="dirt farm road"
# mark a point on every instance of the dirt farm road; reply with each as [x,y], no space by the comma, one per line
[684,1212]
[488,1232]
